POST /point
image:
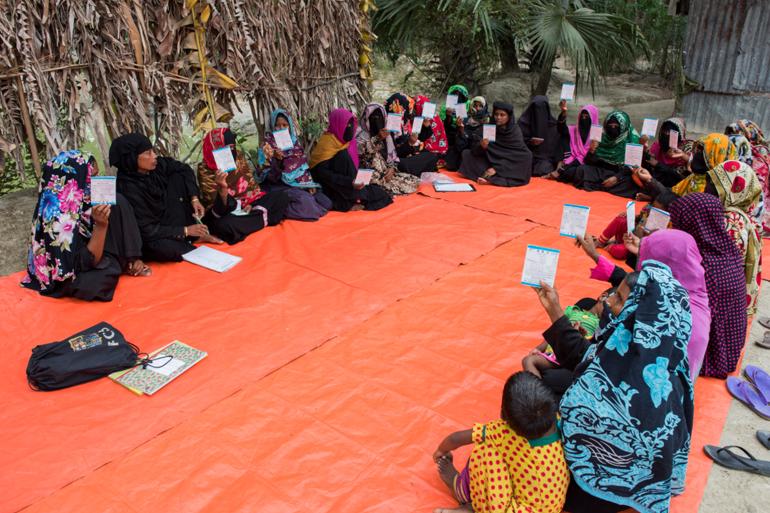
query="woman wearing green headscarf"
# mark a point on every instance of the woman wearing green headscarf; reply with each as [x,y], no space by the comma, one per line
[603,168]
[456,140]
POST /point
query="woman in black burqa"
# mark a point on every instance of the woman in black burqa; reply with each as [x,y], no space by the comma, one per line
[507,161]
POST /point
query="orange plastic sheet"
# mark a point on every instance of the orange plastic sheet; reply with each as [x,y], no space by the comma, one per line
[340,353]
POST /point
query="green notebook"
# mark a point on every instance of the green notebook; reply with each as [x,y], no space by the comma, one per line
[167,364]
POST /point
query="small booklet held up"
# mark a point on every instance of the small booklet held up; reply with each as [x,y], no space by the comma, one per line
[630,216]
[394,123]
[417,124]
[461,110]
[210,258]
[428,110]
[451,101]
[224,159]
[165,365]
[103,190]
[596,133]
[634,154]
[673,139]
[364,176]
[489,132]
[657,220]
[574,220]
[453,187]
[650,127]
[540,264]
[283,139]
[567,91]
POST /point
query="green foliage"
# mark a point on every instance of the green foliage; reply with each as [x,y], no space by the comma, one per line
[10,178]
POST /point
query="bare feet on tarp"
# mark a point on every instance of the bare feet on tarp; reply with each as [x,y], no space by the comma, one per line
[210,239]
[357,206]
[447,471]
[465,508]
[138,268]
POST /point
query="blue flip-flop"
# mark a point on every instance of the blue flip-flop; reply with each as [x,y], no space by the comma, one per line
[760,379]
[748,395]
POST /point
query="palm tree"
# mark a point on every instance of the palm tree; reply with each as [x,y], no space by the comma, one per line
[592,41]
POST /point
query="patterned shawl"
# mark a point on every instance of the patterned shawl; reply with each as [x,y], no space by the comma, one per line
[61,222]
[627,418]
[577,143]
[241,184]
[702,216]
[717,148]
[331,142]
[295,172]
[748,129]
[438,141]
[613,151]
[741,193]
[480,117]
[399,103]
[364,131]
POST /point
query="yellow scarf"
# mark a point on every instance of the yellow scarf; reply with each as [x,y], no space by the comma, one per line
[326,148]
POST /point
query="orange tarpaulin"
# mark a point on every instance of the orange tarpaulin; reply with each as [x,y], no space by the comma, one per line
[340,354]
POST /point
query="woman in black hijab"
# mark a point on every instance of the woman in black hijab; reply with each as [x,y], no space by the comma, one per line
[539,129]
[164,196]
[505,162]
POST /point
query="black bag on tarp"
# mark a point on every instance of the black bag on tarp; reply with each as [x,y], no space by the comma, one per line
[91,354]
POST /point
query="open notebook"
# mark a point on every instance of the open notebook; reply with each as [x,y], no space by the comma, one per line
[210,258]
[166,364]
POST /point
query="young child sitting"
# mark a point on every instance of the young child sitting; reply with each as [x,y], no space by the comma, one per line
[517,462]
[584,316]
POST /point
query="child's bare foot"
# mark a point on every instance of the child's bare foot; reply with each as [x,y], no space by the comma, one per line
[465,508]
[447,471]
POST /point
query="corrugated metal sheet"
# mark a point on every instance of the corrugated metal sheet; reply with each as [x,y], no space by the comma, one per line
[712,112]
[728,54]
[728,46]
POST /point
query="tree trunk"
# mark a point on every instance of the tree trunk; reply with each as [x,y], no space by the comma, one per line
[544,77]
[509,56]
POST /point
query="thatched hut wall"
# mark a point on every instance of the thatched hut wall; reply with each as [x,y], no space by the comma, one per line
[119,65]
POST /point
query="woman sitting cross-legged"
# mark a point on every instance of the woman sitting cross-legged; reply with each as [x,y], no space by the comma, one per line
[334,164]
[506,161]
[164,196]
[77,249]
[235,205]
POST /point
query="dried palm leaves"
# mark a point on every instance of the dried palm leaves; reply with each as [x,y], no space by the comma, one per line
[150,65]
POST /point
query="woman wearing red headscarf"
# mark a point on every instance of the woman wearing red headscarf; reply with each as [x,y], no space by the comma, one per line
[235,205]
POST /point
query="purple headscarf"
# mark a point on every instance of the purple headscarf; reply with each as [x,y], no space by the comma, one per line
[701,215]
[679,251]
[578,146]
[338,121]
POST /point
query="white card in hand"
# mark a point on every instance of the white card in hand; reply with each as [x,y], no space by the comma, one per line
[417,124]
[673,139]
[657,220]
[224,159]
[461,111]
[630,216]
[394,123]
[574,220]
[283,139]
[649,127]
[539,265]
[428,110]
[634,154]
[567,91]
[364,176]
[489,132]
[596,133]
[103,190]
[451,101]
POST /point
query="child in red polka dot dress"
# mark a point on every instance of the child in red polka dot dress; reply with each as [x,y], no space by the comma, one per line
[517,464]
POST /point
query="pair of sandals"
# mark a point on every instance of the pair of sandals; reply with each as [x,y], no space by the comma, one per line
[754,392]
[729,456]
[765,342]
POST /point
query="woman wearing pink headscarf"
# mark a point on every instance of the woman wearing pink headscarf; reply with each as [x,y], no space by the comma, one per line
[334,165]
[578,136]
[679,251]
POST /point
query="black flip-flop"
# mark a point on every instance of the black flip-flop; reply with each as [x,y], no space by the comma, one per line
[764,438]
[764,322]
[765,342]
[725,457]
